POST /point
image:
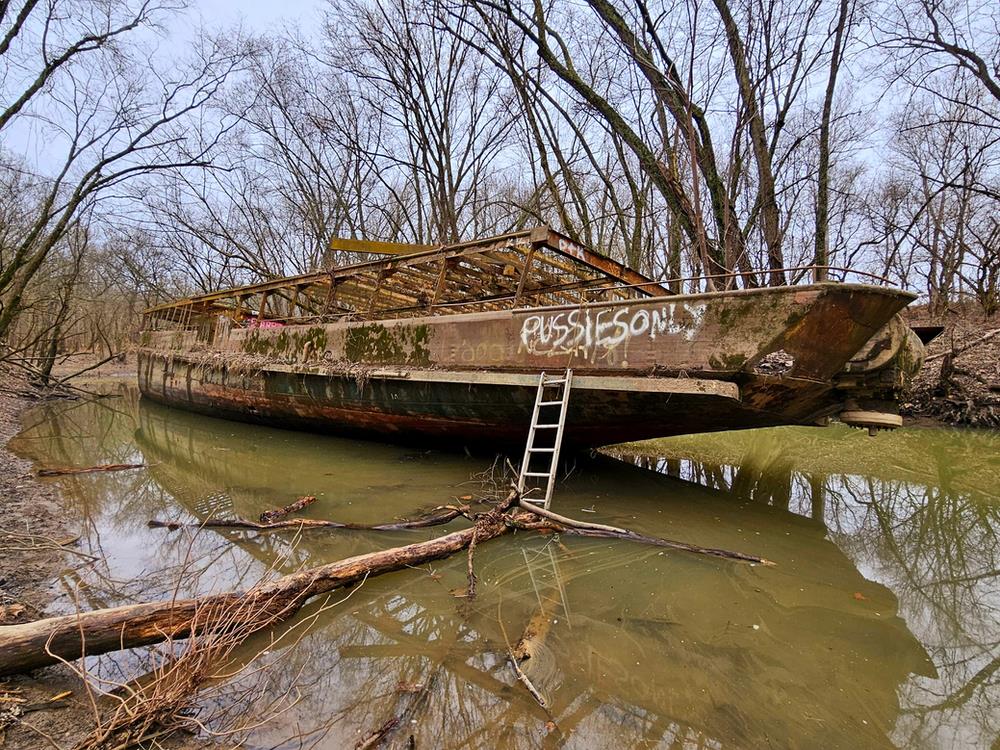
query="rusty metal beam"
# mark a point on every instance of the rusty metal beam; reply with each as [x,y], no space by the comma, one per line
[544,236]
[539,237]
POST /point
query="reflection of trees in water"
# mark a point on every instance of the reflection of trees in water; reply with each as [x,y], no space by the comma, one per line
[635,679]
[407,630]
[934,545]
[938,550]
[349,672]
[772,483]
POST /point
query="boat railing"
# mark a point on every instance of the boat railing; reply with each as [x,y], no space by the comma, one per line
[789,275]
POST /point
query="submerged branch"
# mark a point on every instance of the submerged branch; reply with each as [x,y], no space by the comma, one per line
[270,516]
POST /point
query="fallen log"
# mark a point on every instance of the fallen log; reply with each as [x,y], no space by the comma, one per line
[31,645]
[88,469]
[270,516]
[40,643]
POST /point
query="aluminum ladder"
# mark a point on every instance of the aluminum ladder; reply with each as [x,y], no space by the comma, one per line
[547,403]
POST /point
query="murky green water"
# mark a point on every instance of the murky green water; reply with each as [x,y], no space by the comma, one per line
[879,627]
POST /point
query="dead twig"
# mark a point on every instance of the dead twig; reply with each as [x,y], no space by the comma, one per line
[270,516]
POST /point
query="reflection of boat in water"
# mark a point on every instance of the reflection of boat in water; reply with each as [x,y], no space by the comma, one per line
[647,648]
[448,344]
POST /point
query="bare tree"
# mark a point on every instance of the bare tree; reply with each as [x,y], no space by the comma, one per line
[114,117]
[841,30]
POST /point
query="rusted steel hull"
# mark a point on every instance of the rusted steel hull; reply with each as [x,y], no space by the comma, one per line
[647,368]
[402,410]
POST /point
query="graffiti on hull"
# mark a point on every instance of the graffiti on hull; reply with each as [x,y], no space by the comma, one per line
[595,334]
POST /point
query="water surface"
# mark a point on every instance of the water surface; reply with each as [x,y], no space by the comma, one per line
[879,626]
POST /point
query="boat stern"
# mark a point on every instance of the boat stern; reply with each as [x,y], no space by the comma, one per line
[877,378]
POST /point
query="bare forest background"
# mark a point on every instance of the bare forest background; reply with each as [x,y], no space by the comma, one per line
[771,138]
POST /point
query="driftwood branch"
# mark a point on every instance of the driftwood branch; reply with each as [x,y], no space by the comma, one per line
[524,680]
[88,469]
[270,516]
[438,516]
[603,531]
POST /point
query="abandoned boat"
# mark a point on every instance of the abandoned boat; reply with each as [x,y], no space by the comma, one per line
[447,344]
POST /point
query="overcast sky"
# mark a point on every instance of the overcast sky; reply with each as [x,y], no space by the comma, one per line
[256,15]
[23,137]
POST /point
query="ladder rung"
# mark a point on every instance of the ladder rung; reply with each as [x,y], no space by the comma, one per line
[537,474]
[546,426]
[542,450]
[557,381]
[550,403]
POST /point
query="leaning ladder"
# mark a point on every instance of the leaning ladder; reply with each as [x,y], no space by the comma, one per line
[545,402]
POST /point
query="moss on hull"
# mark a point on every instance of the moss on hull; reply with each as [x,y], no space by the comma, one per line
[399,345]
[287,346]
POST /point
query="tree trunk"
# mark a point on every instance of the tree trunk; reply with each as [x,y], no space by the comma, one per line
[821,253]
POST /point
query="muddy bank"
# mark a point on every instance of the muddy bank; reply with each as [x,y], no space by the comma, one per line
[38,546]
[35,545]
[959,383]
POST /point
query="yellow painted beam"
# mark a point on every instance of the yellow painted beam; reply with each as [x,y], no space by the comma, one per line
[381,248]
